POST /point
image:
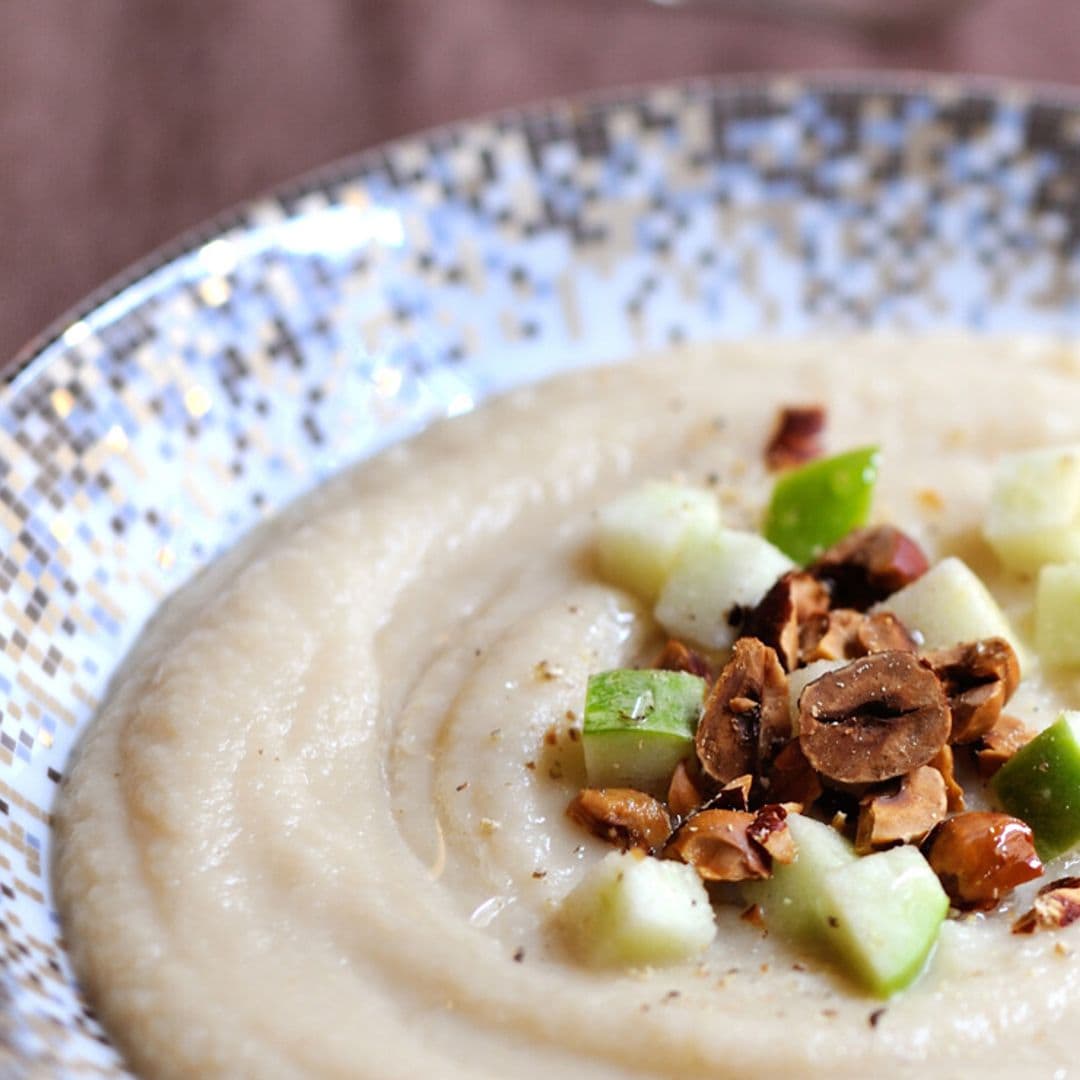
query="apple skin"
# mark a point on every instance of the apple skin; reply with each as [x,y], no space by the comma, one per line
[639,725]
[1040,784]
[877,917]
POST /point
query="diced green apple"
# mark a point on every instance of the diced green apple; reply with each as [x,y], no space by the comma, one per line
[883,914]
[1040,784]
[878,916]
[633,910]
[819,503]
[790,898]
[1034,513]
[712,576]
[639,725]
[948,605]
[1057,615]
[639,535]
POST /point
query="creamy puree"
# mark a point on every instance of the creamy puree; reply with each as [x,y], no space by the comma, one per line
[316,829]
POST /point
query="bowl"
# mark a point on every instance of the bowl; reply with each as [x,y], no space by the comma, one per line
[202,391]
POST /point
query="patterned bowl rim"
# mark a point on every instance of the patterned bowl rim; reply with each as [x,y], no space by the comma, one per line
[856,82]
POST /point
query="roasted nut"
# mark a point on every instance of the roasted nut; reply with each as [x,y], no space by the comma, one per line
[716,844]
[981,856]
[945,764]
[769,829]
[1055,906]
[675,656]
[979,678]
[868,565]
[747,717]
[625,817]
[734,795]
[834,636]
[797,437]
[905,816]
[794,600]
[873,719]
[792,777]
[882,631]
[1000,743]
[683,795]
[847,634]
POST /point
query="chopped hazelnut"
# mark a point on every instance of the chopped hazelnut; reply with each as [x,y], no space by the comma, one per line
[869,565]
[979,678]
[1000,743]
[981,856]
[945,764]
[882,631]
[873,719]
[746,716]
[683,793]
[797,437]
[794,600]
[716,844]
[734,795]
[675,656]
[623,816]
[833,636]
[769,829]
[846,634]
[792,777]
[754,916]
[1056,905]
[905,816]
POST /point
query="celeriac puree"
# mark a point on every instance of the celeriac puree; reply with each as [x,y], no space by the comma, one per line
[317,829]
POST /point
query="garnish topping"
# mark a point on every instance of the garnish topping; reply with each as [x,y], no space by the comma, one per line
[869,565]
[628,818]
[815,505]
[980,856]
[747,717]
[797,436]
[1056,905]
[904,816]
[979,678]
[873,719]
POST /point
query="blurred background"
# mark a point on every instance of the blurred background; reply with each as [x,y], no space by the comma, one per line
[124,122]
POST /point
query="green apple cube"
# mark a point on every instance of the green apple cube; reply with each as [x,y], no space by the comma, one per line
[819,503]
[712,576]
[878,916]
[883,914]
[639,535]
[948,605]
[1040,784]
[790,898]
[1057,615]
[639,725]
[632,910]
[1034,513]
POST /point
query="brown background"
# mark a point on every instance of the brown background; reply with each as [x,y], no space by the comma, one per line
[123,122]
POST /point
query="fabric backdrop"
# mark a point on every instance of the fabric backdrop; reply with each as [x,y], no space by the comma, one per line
[123,122]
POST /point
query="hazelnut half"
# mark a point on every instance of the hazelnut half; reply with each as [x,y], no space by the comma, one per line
[747,717]
[982,856]
[873,719]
